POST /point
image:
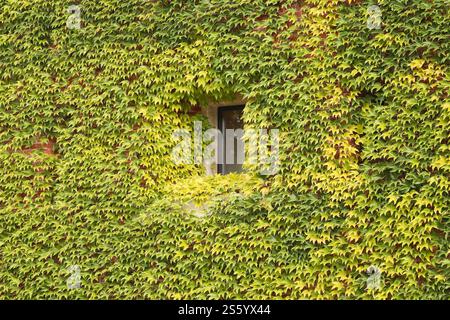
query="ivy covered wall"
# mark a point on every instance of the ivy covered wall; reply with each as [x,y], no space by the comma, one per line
[86,175]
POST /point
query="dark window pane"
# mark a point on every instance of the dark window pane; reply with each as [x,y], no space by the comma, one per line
[231,150]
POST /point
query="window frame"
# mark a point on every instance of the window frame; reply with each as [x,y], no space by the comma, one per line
[220,110]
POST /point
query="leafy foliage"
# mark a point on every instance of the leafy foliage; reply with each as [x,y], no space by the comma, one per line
[86,176]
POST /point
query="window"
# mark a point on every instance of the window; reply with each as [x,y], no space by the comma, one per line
[231,147]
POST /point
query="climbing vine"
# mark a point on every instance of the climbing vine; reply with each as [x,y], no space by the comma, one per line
[92,91]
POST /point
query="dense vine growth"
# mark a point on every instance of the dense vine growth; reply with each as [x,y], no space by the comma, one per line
[86,175]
